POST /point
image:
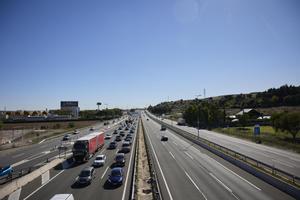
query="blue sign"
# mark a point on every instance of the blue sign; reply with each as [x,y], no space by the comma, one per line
[256,130]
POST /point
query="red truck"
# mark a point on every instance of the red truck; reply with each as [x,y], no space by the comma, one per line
[86,146]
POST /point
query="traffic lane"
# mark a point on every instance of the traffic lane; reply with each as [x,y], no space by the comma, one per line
[178,184]
[285,160]
[245,188]
[64,183]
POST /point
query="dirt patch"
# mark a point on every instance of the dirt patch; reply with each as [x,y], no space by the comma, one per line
[144,191]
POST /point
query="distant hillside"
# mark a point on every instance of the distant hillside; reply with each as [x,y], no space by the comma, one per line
[283,98]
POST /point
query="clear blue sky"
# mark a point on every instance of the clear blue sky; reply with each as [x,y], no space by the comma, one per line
[136,53]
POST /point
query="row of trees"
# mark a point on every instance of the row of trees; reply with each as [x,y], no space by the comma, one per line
[287,122]
[101,114]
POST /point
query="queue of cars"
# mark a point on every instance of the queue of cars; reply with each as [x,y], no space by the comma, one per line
[125,134]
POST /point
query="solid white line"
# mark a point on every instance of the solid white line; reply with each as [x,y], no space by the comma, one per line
[189,155]
[195,184]
[19,163]
[124,191]
[104,173]
[15,195]
[172,155]
[42,141]
[163,176]
[43,185]
[239,176]
[219,181]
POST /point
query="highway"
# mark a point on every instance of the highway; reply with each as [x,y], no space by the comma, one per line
[28,156]
[187,171]
[281,159]
[63,179]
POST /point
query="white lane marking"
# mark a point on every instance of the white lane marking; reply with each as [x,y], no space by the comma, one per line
[189,155]
[172,155]
[195,184]
[43,185]
[15,195]
[19,163]
[219,181]
[42,141]
[104,173]
[239,176]
[18,155]
[45,177]
[175,143]
[124,191]
[163,176]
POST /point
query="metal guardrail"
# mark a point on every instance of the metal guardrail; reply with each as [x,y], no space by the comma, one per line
[284,176]
[133,184]
[154,180]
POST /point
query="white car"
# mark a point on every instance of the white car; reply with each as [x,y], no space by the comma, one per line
[62,197]
[99,160]
[108,136]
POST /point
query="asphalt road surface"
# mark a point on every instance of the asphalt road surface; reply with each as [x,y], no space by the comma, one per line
[187,171]
[281,159]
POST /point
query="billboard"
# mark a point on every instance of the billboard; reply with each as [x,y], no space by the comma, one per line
[68,104]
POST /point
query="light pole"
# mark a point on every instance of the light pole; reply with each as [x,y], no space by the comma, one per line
[198,116]
[99,104]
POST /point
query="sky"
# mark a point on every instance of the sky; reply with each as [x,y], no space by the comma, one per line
[135,53]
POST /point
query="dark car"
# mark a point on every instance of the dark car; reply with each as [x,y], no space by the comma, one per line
[66,137]
[112,145]
[116,176]
[7,170]
[122,133]
[124,150]
[126,129]
[115,132]
[86,176]
[164,138]
[163,128]
[120,128]
[118,138]
[125,144]
[120,159]
[131,131]
[128,139]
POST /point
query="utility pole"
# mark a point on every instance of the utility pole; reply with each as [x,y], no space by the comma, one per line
[198,116]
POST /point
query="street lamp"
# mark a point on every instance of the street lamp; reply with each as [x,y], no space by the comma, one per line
[99,104]
[198,116]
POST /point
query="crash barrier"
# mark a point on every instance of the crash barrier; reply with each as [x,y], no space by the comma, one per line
[282,180]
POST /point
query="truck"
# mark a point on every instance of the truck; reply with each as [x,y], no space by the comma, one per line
[85,147]
[181,122]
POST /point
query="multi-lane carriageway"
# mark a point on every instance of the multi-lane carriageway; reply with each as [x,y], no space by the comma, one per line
[187,171]
[184,170]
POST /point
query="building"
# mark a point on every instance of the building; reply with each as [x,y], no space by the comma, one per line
[70,106]
[252,113]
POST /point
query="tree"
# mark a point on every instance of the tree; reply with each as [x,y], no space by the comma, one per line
[287,122]
[1,124]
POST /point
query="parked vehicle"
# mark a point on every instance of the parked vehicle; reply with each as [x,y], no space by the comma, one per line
[116,176]
[86,176]
[7,170]
[99,160]
[86,146]
[62,197]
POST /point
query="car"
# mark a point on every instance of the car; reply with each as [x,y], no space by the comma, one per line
[112,145]
[7,170]
[107,136]
[163,128]
[164,138]
[116,176]
[115,132]
[118,138]
[76,131]
[131,131]
[92,129]
[126,129]
[120,159]
[120,128]
[126,144]
[86,175]
[66,137]
[147,119]
[128,139]
[99,160]
[124,149]
[122,133]
[63,197]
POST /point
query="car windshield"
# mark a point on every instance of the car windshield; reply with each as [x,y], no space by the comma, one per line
[116,173]
[85,173]
[99,158]
[119,157]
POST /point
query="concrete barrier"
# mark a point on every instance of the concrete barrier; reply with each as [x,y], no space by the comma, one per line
[16,184]
[272,180]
